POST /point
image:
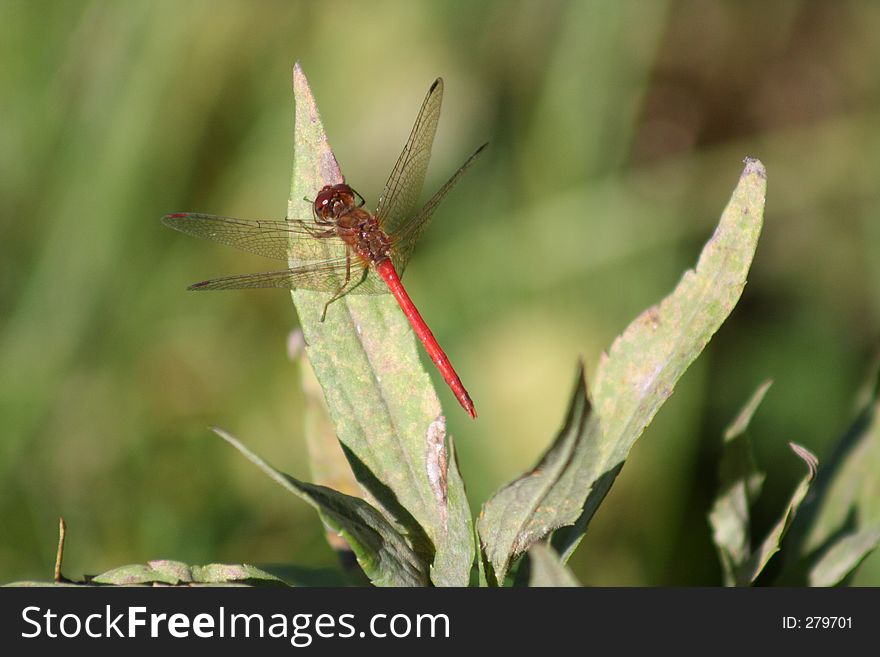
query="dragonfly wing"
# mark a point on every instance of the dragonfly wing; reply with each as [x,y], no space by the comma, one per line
[408,233]
[327,276]
[293,242]
[407,178]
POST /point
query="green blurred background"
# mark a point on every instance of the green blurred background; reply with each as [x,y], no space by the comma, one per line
[617,132]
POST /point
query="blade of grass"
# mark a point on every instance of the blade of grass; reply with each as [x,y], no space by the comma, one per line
[750,570]
[739,483]
[844,556]
[847,490]
[845,500]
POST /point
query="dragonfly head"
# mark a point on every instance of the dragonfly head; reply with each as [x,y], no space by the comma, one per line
[333,201]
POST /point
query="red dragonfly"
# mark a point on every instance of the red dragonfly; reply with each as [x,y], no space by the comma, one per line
[341,236]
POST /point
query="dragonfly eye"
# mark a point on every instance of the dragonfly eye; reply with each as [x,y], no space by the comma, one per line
[324,202]
[334,201]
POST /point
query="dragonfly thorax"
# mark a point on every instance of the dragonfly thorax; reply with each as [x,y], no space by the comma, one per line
[362,231]
[336,205]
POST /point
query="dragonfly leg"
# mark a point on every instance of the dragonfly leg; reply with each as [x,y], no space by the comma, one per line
[341,292]
[363,278]
[314,232]
[361,200]
[342,287]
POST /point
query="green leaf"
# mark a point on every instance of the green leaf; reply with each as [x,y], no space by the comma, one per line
[176,573]
[739,483]
[38,584]
[175,570]
[750,570]
[549,496]
[844,556]
[847,492]
[379,397]
[380,550]
[547,569]
[647,360]
[632,382]
[224,573]
[143,574]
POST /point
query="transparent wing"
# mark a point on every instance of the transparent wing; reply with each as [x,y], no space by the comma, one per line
[327,276]
[407,178]
[294,242]
[317,257]
[408,233]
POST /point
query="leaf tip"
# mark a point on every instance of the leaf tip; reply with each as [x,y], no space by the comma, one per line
[225,435]
[808,457]
[754,166]
[581,377]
